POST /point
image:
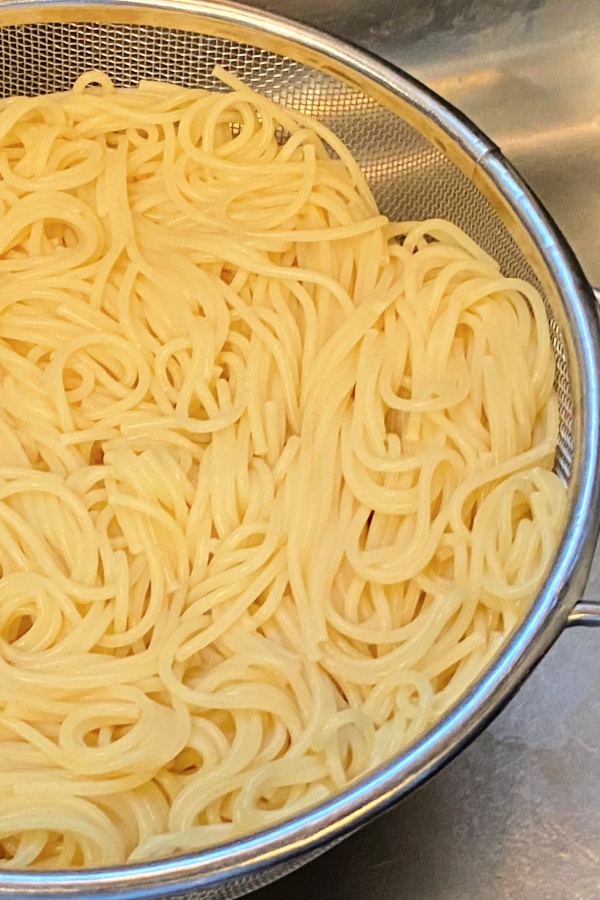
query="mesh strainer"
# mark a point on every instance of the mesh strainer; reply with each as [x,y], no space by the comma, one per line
[422,160]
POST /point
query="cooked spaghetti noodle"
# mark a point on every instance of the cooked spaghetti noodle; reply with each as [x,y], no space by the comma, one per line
[275,473]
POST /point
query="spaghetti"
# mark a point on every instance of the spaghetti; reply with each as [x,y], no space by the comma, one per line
[275,473]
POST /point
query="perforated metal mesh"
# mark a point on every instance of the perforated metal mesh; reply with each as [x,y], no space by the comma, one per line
[410,178]
[245,884]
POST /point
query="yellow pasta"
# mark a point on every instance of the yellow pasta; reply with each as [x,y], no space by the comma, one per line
[275,472]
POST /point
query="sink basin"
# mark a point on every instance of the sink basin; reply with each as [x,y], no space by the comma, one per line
[526,71]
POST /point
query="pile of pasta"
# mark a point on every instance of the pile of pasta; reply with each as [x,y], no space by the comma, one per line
[275,472]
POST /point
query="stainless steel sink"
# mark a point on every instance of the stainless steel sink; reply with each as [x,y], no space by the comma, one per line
[517,816]
[526,71]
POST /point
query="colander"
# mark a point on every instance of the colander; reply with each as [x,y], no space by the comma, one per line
[422,159]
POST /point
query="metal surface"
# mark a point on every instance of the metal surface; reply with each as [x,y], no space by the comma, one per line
[586,612]
[526,71]
[466,179]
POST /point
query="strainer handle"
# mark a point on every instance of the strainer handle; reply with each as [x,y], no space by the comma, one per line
[586,612]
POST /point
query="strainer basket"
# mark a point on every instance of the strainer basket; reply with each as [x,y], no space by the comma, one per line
[422,159]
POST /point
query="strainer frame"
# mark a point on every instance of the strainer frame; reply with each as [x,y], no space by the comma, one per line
[233,868]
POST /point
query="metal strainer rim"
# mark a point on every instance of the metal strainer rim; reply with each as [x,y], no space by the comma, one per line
[346,811]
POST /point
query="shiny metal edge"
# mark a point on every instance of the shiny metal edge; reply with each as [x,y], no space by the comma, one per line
[345,812]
